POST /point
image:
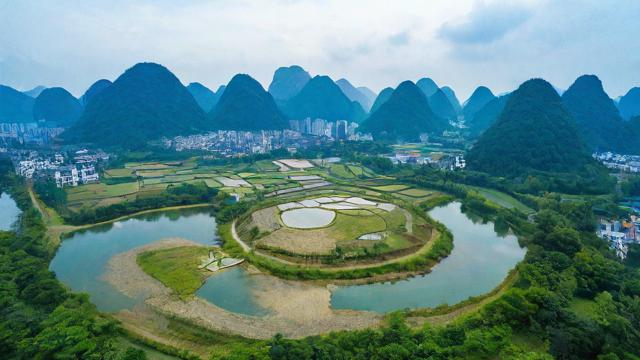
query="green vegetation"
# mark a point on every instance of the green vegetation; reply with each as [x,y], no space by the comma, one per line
[416,192]
[145,103]
[15,106]
[404,116]
[322,98]
[502,199]
[597,117]
[441,106]
[39,319]
[176,268]
[479,99]
[57,106]
[341,171]
[245,105]
[390,188]
[533,119]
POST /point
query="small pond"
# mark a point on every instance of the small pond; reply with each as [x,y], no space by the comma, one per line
[9,211]
[307,218]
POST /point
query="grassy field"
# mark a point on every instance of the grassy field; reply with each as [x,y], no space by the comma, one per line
[390,188]
[502,199]
[583,307]
[416,192]
[121,184]
[176,268]
[341,171]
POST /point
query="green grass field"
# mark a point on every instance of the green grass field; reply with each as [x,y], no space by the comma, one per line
[341,171]
[390,188]
[502,199]
[416,192]
[176,268]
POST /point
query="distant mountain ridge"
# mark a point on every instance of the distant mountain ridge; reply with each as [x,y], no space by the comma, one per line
[453,99]
[96,88]
[629,104]
[478,99]
[321,98]
[404,116]
[206,98]
[287,82]
[35,91]
[382,98]
[246,105]
[428,86]
[57,107]
[441,106]
[354,94]
[15,107]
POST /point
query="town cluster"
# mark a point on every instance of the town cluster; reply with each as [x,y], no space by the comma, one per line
[66,168]
[27,133]
[232,143]
[626,163]
[620,234]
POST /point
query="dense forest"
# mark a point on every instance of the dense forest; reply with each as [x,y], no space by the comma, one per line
[404,116]
[534,132]
[246,106]
[145,103]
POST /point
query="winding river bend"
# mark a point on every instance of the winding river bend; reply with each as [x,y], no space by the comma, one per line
[81,260]
[480,260]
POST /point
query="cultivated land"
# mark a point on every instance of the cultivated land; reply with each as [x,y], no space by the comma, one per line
[167,274]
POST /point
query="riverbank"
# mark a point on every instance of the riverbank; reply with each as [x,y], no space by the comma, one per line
[56,228]
[306,311]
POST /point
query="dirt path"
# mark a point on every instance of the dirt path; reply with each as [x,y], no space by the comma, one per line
[244,246]
[295,309]
[408,223]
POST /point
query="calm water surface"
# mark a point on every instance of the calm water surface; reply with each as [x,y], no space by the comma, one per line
[307,218]
[82,258]
[9,212]
[480,260]
[232,290]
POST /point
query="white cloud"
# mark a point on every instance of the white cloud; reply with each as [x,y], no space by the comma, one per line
[373,43]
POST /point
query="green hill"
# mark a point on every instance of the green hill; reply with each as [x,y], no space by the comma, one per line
[15,107]
[287,82]
[321,98]
[382,98]
[428,86]
[354,94]
[441,106]
[245,105]
[534,132]
[453,99]
[145,103]
[57,107]
[629,104]
[404,116]
[487,116]
[480,97]
[597,117]
[206,98]
[35,91]
[94,90]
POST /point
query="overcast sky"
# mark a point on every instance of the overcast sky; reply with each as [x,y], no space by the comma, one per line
[372,43]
